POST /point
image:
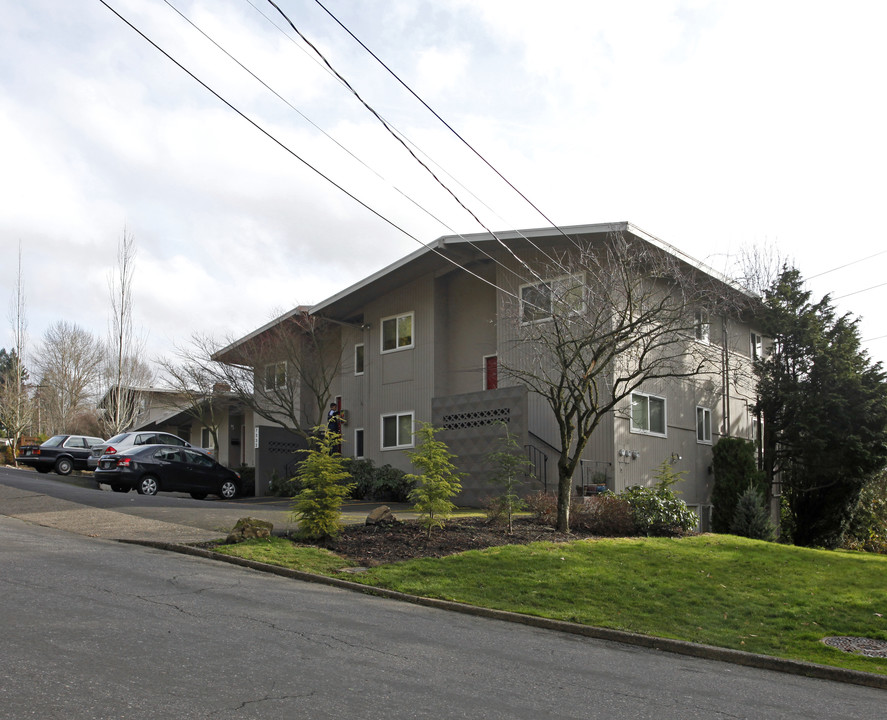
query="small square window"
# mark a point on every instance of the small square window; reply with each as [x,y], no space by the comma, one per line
[275,376]
[397,332]
[703,425]
[358,359]
[397,431]
[647,414]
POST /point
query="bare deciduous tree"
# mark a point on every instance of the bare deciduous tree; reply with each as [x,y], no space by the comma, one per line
[16,406]
[194,380]
[613,316]
[69,361]
[125,374]
[283,373]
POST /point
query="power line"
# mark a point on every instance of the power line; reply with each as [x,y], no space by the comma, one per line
[841,267]
[857,292]
[306,118]
[397,137]
[336,142]
[445,123]
[322,62]
[298,157]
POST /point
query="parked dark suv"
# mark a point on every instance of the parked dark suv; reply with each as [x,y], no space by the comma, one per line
[62,453]
[128,440]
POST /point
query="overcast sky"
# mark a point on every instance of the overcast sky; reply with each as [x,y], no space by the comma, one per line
[711,125]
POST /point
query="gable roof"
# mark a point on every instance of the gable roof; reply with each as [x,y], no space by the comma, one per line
[456,250]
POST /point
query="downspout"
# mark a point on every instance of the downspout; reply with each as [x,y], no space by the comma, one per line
[725,374]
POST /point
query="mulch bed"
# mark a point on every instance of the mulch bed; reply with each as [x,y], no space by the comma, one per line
[371,545]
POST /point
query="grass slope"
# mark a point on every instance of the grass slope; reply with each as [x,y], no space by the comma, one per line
[719,590]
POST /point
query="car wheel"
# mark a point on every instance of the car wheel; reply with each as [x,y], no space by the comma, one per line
[198,495]
[64,466]
[119,488]
[148,485]
[228,490]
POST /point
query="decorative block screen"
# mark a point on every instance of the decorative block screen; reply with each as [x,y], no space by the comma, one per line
[476,418]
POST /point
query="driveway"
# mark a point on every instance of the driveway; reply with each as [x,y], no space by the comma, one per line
[75,505]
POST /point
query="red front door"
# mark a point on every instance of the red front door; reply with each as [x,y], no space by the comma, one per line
[491,372]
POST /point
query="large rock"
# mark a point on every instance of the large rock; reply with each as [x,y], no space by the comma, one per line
[248,528]
[382,515]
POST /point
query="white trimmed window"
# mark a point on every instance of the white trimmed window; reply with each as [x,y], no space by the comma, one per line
[647,414]
[397,431]
[358,359]
[397,332]
[703,326]
[756,349]
[564,295]
[275,375]
[703,425]
[358,443]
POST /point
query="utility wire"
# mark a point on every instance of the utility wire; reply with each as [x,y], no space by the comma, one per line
[322,63]
[372,111]
[841,267]
[307,119]
[445,123]
[330,137]
[298,157]
[856,292]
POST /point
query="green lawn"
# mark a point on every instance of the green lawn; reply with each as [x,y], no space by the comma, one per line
[716,589]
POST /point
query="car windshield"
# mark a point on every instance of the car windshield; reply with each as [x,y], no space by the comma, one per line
[54,441]
[118,438]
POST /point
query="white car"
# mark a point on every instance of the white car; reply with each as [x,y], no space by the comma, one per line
[128,440]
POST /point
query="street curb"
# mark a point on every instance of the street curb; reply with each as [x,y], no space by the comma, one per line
[679,647]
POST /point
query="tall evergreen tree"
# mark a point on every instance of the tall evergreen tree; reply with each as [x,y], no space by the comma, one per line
[824,406]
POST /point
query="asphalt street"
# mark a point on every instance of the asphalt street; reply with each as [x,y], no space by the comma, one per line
[94,628]
[98,629]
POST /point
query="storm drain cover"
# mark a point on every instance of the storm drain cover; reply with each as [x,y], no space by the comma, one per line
[859,645]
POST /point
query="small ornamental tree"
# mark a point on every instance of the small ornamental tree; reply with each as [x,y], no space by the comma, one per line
[437,483]
[751,519]
[666,476]
[735,468]
[508,463]
[317,506]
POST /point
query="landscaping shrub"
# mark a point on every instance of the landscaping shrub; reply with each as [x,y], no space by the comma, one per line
[657,512]
[868,528]
[544,507]
[378,483]
[734,467]
[318,504]
[284,487]
[605,514]
[508,463]
[438,482]
[751,518]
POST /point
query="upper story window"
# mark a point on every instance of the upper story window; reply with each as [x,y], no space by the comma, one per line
[647,414]
[703,425]
[358,359]
[397,332]
[703,326]
[756,349]
[564,296]
[275,375]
